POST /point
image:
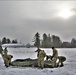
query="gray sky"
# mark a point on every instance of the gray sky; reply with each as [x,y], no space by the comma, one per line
[22,19]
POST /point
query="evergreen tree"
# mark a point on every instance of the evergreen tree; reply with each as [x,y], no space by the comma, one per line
[37,40]
[56,42]
[4,40]
[14,41]
[49,41]
[73,42]
[8,40]
[44,41]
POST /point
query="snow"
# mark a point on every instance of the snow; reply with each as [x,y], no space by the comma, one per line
[69,67]
[14,45]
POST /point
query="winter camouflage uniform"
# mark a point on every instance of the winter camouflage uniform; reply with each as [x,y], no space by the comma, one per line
[41,57]
[7,58]
[54,57]
[61,60]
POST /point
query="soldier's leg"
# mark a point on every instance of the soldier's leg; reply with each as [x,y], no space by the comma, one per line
[39,62]
[6,62]
[42,63]
[58,63]
[53,62]
[61,60]
[9,59]
[61,64]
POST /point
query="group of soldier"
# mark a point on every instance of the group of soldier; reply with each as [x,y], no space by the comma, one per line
[41,55]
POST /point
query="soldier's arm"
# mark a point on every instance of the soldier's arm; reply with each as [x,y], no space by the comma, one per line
[36,51]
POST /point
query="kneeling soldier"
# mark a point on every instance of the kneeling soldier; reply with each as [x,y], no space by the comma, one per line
[61,60]
[7,58]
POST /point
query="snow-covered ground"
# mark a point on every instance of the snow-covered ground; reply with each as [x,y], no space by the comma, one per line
[69,67]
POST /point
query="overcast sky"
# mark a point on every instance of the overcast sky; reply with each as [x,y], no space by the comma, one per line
[22,19]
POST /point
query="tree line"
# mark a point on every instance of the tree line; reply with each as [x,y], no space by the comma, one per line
[48,41]
[7,41]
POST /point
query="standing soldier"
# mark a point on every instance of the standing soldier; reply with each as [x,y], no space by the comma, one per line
[54,57]
[41,57]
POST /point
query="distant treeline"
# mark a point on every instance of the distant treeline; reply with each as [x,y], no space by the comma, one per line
[7,40]
[48,41]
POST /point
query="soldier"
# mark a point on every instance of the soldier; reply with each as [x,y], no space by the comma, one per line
[7,58]
[41,57]
[38,50]
[54,57]
[61,60]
